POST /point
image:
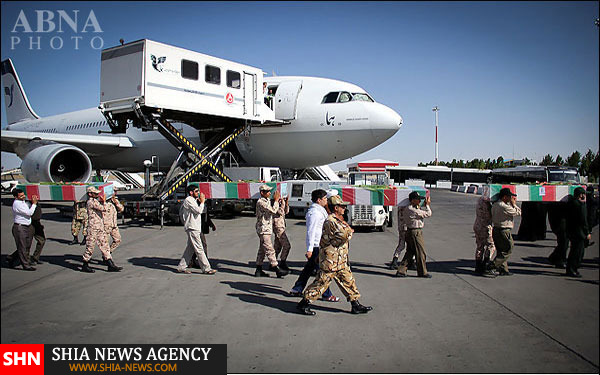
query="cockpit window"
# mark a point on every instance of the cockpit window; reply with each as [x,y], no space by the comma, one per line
[344,97]
[361,97]
[330,98]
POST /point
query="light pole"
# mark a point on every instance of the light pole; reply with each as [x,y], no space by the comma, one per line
[436,109]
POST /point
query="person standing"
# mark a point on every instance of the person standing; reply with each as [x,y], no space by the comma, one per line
[113,207]
[79,222]
[315,218]
[191,213]
[503,214]
[22,230]
[96,233]
[557,217]
[264,229]
[38,235]
[415,244]
[282,243]
[577,230]
[485,251]
[401,237]
[333,261]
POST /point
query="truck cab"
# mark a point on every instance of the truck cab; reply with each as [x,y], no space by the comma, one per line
[369,216]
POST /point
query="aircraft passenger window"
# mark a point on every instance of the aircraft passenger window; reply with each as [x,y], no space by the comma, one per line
[189,69]
[330,98]
[233,79]
[212,74]
[344,97]
[361,97]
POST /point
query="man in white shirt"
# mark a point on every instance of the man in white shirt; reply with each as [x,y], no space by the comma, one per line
[315,218]
[192,223]
[22,230]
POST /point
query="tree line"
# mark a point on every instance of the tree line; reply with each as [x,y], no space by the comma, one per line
[588,164]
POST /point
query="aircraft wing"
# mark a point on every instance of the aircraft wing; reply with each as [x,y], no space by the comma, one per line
[94,145]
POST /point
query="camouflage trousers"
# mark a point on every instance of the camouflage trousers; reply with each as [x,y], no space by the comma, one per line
[485,244]
[116,237]
[96,236]
[282,244]
[401,243]
[265,249]
[343,278]
[77,225]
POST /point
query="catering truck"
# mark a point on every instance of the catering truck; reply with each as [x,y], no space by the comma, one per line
[369,216]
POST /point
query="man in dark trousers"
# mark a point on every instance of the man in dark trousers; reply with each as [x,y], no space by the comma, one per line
[557,217]
[22,230]
[38,235]
[577,230]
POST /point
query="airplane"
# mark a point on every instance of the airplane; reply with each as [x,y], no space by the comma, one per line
[335,121]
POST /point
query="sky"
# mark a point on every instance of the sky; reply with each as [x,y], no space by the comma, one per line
[511,79]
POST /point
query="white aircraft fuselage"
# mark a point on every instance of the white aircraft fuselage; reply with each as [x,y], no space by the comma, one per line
[324,131]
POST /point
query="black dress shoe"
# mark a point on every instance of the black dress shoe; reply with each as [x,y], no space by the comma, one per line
[427,276]
[357,308]
[304,307]
[560,265]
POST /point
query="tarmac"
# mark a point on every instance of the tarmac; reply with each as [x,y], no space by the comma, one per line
[536,321]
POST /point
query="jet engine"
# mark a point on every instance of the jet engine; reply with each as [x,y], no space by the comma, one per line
[56,163]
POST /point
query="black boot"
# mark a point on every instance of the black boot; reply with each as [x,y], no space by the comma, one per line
[304,307]
[279,272]
[83,240]
[394,263]
[357,308]
[112,267]
[75,241]
[283,265]
[86,268]
[260,273]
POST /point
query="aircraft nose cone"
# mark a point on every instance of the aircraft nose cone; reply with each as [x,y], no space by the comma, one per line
[385,122]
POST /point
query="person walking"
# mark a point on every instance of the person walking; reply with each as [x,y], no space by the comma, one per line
[401,237]
[207,225]
[485,250]
[282,244]
[264,229]
[503,214]
[96,233]
[315,218]
[191,214]
[79,222]
[113,207]
[38,235]
[415,244]
[557,217]
[333,261]
[578,230]
[22,230]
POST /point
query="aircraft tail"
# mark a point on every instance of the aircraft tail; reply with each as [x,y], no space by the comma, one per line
[16,105]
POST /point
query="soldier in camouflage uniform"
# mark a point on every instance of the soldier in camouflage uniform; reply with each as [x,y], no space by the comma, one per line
[333,261]
[264,229]
[79,222]
[282,244]
[485,252]
[113,206]
[96,233]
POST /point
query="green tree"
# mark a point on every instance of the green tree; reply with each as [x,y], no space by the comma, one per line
[574,159]
[586,162]
[595,167]
[559,160]
[547,160]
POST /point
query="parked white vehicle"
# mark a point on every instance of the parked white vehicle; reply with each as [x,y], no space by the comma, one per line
[369,216]
[301,191]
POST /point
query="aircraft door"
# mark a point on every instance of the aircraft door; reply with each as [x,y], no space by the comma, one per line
[249,94]
[286,99]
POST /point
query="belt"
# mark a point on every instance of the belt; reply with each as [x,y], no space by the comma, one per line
[23,225]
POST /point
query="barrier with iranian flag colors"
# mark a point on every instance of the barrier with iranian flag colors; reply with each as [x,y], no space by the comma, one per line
[237,190]
[533,193]
[64,192]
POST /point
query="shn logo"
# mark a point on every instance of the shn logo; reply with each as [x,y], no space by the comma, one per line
[9,92]
[157,61]
[21,358]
